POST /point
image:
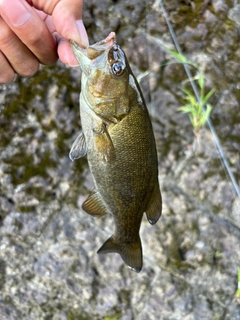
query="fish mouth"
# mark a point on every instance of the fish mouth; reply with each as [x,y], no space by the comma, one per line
[95,50]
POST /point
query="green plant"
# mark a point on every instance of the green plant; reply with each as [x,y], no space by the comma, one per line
[113,317]
[197,108]
[237,294]
[218,255]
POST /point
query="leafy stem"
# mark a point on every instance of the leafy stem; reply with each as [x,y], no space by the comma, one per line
[199,110]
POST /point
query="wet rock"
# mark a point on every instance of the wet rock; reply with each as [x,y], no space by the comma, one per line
[49,268]
[234,14]
[220,6]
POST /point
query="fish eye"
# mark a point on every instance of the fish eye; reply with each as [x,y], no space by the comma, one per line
[117,68]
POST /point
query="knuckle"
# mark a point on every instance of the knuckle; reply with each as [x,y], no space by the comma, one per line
[5,34]
[43,46]
[36,36]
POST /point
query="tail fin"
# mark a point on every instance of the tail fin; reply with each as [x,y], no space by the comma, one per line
[131,253]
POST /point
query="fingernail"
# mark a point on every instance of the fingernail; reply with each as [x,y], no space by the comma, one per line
[72,65]
[82,33]
[17,15]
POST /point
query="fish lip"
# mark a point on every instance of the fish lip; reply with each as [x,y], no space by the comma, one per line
[108,41]
[98,48]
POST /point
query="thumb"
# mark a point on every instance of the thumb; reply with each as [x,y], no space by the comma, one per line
[67,18]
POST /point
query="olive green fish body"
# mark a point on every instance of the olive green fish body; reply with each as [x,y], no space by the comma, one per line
[119,142]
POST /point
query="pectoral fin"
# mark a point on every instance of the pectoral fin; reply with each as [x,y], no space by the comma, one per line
[94,205]
[131,253]
[154,208]
[79,147]
[104,143]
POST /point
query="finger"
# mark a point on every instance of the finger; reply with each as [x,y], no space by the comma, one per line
[67,18]
[18,57]
[30,29]
[74,28]
[6,72]
[41,14]
[65,53]
[46,5]
[49,23]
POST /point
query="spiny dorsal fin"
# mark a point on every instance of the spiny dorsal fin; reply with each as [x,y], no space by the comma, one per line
[79,147]
[131,253]
[154,207]
[94,205]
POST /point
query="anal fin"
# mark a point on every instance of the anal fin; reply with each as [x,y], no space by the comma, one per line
[94,205]
[154,208]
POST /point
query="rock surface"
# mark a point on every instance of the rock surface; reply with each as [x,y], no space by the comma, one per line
[49,268]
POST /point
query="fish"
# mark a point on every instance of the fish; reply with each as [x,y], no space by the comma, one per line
[118,139]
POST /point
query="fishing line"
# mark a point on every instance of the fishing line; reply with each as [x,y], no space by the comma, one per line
[147,52]
[195,90]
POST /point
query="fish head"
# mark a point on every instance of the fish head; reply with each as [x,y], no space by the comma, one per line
[105,77]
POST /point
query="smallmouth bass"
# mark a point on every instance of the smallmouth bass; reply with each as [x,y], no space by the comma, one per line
[118,139]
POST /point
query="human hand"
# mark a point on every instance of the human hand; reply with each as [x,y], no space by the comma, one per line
[36,31]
